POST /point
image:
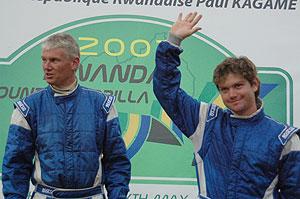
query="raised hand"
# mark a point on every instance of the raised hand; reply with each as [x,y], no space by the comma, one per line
[183,28]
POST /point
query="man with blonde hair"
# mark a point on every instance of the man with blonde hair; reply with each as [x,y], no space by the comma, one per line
[66,138]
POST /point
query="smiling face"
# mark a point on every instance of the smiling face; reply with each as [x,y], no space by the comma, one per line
[236,79]
[238,94]
[59,68]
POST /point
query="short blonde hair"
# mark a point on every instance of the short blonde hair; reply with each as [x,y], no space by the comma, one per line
[62,40]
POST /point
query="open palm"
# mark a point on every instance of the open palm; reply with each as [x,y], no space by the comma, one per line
[186,26]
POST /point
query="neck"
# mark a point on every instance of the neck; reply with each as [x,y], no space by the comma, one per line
[259,105]
[65,90]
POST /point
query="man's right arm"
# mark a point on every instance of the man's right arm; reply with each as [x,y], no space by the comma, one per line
[17,162]
[182,108]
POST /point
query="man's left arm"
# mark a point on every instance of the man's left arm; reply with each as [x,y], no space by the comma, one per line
[117,167]
[289,174]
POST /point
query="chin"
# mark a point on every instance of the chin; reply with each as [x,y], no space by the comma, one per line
[236,110]
[50,82]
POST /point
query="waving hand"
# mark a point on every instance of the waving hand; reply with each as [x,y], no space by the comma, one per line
[184,27]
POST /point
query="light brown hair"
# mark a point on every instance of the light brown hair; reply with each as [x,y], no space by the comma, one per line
[242,66]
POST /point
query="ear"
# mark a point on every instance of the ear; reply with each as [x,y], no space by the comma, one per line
[255,84]
[75,63]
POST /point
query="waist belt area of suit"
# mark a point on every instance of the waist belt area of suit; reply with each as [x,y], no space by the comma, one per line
[69,193]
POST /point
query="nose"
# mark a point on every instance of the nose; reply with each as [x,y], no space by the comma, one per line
[232,93]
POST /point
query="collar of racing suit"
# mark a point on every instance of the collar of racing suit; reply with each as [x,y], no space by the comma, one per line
[259,104]
[65,91]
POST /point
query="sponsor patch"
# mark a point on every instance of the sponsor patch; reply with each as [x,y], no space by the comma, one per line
[212,113]
[108,102]
[285,135]
[22,107]
[47,191]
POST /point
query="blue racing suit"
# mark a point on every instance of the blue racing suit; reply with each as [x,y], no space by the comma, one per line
[236,157]
[74,142]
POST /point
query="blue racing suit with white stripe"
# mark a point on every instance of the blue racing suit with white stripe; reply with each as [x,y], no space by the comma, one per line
[74,141]
[236,157]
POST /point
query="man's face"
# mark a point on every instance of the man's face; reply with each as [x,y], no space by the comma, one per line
[59,69]
[238,94]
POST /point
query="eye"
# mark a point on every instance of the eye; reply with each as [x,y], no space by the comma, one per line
[43,60]
[237,86]
[224,90]
[54,60]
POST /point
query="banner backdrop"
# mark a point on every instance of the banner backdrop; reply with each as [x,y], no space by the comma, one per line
[118,39]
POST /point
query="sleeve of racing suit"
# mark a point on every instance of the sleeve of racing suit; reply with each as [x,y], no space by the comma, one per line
[17,162]
[181,108]
[117,167]
[289,172]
